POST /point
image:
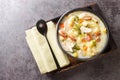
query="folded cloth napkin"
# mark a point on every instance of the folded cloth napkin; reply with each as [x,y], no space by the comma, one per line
[41,51]
[51,35]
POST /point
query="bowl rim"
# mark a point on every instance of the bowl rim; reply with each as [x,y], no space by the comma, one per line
[87,10]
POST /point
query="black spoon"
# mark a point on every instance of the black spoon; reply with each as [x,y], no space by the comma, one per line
[42,28]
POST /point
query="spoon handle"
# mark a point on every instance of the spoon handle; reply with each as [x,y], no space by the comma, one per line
[57,64]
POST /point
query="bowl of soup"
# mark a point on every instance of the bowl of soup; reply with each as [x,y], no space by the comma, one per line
[82,33]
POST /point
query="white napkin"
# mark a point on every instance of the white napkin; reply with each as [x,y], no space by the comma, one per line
[51,35]
[41,51]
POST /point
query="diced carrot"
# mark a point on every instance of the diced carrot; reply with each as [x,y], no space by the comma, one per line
[62,33]
[98,39]
[62,25]
[87,17]
[97,34]
[85,48]
[84,40]
[80,20]
[89,37]
[72,38]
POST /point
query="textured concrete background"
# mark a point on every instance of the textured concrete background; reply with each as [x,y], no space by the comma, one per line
[16,61]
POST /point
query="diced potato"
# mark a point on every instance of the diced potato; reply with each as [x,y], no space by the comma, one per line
[75,54]
[92,54]
[76,33]
[73,32]
[70,32]
[92,24]
[79,39]
[89,52]
[104,30]
[84,23]
[96,29]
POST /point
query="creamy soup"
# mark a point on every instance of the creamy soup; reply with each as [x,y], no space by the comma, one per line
[82,34]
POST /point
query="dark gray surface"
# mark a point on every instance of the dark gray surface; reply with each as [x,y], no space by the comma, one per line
[16,61]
